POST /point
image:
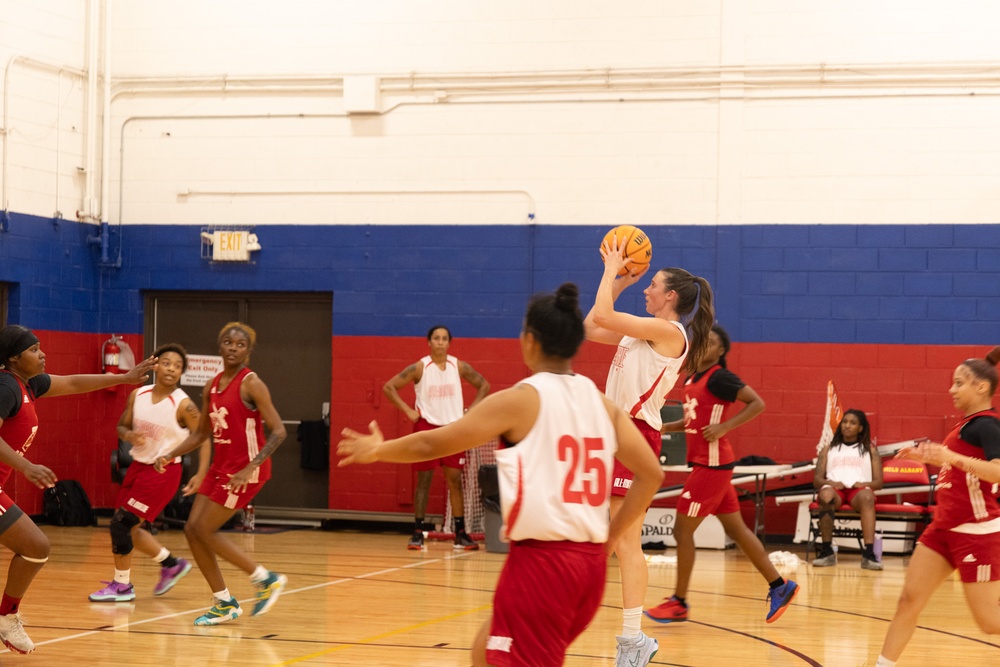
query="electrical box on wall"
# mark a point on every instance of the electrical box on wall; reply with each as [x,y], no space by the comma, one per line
[362,94]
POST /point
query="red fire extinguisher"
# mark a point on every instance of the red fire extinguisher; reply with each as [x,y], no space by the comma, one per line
[111,355]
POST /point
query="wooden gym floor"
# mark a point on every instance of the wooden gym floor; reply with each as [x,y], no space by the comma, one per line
[358,598]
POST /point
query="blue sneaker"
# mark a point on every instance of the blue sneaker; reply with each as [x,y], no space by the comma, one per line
[780,598]
[222,612]
[268,592]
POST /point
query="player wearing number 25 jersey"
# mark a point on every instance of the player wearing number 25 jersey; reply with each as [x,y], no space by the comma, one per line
[560,435]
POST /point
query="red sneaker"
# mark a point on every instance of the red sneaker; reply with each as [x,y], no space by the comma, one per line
[671,611]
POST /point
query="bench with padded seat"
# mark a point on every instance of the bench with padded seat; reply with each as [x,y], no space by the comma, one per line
[913,488]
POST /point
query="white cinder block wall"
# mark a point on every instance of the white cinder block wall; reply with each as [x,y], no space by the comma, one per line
[696,112]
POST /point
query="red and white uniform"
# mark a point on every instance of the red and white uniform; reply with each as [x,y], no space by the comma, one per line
[708,489]
[554,484]
[158,422]
[966,526]
[703,408]
[145,492]
[847,464]
[554,488]
[965,502]
[439,392]
[237,437]
[640,378]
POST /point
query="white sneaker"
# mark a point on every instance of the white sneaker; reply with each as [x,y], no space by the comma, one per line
[13,635]
[635,652]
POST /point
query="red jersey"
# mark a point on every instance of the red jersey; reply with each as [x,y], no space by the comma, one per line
[963,498]
[702,408]
[237,431]
[19,430]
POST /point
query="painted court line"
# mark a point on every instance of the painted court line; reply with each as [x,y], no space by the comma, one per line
[187,612]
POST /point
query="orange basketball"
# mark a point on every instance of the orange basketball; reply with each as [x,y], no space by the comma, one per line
[637,247]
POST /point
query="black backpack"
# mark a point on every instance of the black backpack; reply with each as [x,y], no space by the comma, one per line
[67,504]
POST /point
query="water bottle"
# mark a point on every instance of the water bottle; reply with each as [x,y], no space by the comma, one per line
[877,546]
[248,519]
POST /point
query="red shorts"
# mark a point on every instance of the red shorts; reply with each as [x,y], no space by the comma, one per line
[547,594]
[622,476]
[9,512]
[214,488]
[976,557]
[146,492]
[846,495]
[708,491]
[453,461]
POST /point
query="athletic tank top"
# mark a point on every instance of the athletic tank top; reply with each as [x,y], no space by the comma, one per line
[703,408]
[158,422]
[19,431]
[640,378]
[237,431]
[963,498]
[846,464]
[555,483]
[439,392]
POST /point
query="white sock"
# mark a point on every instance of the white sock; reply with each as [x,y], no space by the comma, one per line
[162,556]
[885,662]
[631,622]
[223,595]
[259,575]
[122,576]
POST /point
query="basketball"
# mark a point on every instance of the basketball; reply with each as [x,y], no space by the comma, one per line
[637,247]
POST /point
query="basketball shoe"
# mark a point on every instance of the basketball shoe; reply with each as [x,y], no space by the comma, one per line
[221,612]
[416,542]
[779,599]
[635,652]
[268,592]
[171,575]
[13,635]
[671,611]
[463,541]
[113,592]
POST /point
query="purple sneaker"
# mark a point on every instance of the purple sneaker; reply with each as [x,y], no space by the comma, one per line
[113,592]
[171,575]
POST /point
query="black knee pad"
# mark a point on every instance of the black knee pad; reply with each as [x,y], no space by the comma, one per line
[122,524]
[825,511]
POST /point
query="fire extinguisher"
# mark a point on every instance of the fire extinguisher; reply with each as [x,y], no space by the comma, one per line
[111,355]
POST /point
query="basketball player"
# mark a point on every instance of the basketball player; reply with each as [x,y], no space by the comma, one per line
[708,489]
[558,438]
[651,353]
[437,383]
[965,532]
[236,406]
[848,471]
[155,419]
[23,380]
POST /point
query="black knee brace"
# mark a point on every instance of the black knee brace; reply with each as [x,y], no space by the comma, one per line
[825,511]
[122,524]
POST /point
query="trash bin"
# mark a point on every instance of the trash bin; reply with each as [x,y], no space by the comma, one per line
[673,446]
[489,490]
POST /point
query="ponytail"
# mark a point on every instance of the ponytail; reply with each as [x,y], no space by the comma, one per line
[695,306]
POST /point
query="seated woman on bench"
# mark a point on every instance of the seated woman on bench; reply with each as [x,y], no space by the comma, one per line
[848,472]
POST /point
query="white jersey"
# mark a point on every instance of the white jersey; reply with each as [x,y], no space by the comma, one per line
[439,392]
[158,422]
[847,465]
[555,483]
[640,378]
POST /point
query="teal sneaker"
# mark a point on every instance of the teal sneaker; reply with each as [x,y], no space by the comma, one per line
[268,592]
[221,612]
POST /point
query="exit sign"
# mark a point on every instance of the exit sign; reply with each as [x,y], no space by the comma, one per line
[230,246]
